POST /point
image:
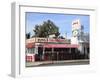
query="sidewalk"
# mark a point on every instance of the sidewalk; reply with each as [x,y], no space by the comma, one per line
[39,63]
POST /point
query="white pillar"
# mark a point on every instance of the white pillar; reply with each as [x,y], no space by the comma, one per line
[81,48]
[43,52]
[86,50]
[36,49]
[52,53]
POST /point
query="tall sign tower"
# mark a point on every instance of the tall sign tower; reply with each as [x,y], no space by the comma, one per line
[76,26]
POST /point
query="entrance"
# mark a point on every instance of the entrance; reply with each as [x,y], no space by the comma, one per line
[40,53]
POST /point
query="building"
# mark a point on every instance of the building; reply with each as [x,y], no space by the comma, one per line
[45,49]
[49,48]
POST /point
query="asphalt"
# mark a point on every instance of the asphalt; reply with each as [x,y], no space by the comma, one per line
[57,63]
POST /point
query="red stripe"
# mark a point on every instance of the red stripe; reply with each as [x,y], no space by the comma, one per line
[61,46]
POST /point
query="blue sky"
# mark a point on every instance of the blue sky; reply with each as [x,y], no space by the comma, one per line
[63,21]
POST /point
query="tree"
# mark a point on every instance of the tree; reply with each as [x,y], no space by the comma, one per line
[46,29]
[61,37]
[28,35]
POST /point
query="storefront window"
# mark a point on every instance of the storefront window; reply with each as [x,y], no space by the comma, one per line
[30,50]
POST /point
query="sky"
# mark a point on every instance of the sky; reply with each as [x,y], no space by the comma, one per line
[63,21]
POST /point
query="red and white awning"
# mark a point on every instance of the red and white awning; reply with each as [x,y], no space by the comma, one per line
[61,46]
[46,45]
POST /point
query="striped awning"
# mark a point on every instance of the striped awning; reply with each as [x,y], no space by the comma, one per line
[61,46]
[46,45]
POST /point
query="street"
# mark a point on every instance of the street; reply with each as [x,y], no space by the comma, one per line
[57,63]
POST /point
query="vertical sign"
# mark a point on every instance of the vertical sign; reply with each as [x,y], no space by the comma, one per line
[76,25]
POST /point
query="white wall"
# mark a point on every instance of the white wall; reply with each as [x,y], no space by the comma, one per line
[5,40]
